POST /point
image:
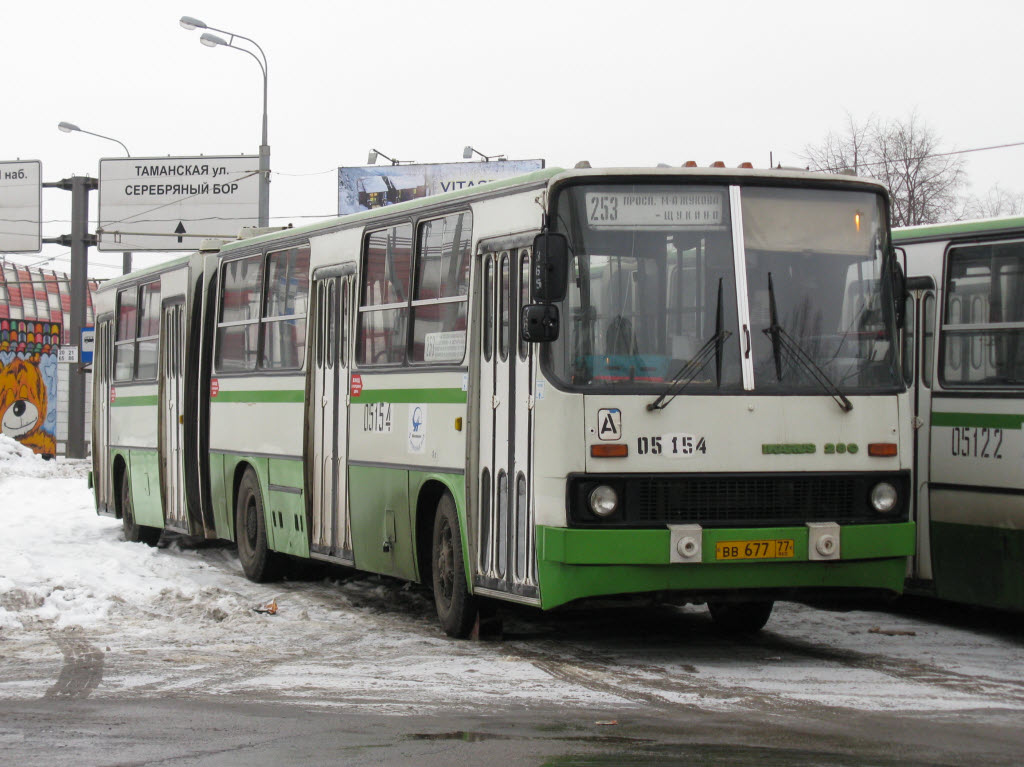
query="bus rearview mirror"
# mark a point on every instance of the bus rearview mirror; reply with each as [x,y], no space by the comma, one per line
[538,323]
[550,269]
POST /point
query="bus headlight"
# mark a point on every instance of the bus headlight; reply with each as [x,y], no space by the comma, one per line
[603,500]
[883,497]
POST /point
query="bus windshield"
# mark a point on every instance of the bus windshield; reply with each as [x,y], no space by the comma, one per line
[653,290]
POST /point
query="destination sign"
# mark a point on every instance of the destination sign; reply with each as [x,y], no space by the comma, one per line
[656,209]
[21,229]
[173,203]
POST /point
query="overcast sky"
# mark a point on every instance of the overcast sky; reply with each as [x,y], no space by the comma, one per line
[617,84]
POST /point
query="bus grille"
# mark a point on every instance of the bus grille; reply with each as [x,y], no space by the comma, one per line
[740,500]
[730,501]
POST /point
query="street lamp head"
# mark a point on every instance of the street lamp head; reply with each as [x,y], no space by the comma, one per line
[211,40]
[64,127]
[189,23]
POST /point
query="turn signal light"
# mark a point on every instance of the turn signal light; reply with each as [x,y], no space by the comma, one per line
[718,164]
[882,449]
[690,164]
[609,451]
[746,165]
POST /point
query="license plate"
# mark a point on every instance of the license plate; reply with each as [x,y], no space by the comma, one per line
[779,548]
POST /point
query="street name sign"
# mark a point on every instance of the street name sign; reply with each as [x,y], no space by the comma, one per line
[173,203]
[21,205]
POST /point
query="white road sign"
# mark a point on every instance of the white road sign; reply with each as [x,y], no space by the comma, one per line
[173,203]
[21,205]
[67,354]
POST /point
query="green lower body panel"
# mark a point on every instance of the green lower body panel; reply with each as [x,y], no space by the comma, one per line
[978,565]
[284,501]
[573,564]
[384,506]
[144,474]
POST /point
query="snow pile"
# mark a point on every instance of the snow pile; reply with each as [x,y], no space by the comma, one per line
[16,460]
[65,566]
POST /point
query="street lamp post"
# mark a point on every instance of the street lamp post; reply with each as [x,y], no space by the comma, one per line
[66,127]
[212,41]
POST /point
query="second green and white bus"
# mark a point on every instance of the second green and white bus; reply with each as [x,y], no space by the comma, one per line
[571,384]
[964,363]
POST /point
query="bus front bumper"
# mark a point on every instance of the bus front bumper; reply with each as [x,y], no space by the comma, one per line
[576,563]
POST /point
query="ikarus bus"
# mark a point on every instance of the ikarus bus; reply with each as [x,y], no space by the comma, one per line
[571,384]
[964,363]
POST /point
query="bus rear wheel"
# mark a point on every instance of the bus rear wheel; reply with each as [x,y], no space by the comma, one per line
[456,607]
[258,561]
[740,617]
[133,531]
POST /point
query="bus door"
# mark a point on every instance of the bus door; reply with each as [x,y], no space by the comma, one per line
[101,373]
[331,535]
[172,420]
[506,545]
[920,348]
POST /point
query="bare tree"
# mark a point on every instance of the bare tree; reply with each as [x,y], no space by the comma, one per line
[924,183]
[850,150]
[997,202]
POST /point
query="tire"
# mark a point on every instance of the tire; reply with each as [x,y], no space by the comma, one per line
[740,617]
[134,532]
[258,561]
[456,607]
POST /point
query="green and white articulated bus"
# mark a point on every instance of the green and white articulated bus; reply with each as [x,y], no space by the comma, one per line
[572,384]
[964,363]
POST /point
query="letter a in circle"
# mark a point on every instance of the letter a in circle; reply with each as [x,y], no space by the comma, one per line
[609,424]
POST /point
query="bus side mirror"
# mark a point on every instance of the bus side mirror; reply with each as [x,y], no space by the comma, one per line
[550,273]
[538,323]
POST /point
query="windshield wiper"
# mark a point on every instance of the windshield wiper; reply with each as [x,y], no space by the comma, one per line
[712,348]
[781,340]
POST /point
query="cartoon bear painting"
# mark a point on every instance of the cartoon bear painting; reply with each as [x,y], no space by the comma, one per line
[24,406]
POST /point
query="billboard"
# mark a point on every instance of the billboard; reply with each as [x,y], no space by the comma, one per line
[21,201]
[374,186]
[173,203]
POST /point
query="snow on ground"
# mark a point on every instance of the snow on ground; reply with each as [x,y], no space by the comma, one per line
[82,608]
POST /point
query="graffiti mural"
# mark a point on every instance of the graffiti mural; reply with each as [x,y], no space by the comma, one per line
[28,383]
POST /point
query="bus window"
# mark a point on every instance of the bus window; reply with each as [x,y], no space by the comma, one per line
[927,339]
[284,319]
[124,344]
[238,331]
[331,331]
[908,341]
[488,323]
[503,301]
[138,333]
[321,331]
[149,331]
[524,296]
[442,289]
[983,322]
[343,325]
[384,312]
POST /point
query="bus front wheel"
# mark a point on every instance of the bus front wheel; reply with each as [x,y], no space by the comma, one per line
[133,531]
[258,561]
[456,607]
[740,617]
